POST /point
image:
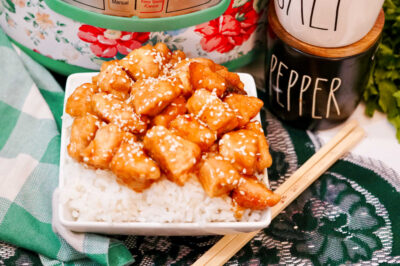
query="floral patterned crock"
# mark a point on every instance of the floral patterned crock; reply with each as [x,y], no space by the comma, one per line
[108,43]
[34,25]
[231,29]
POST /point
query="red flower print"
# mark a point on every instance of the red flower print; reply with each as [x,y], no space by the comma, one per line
[233,28]
[106,43]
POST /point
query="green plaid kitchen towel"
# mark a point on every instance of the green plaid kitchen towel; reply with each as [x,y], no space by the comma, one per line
[349,216]
[29,158]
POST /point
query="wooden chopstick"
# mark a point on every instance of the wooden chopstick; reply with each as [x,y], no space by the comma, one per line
[340,144]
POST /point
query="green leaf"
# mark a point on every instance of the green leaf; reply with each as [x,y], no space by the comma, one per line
[396,95]
[240,17]
[9,5]
[371,106]
[239,3]
[179,40]
[97,60]
[383,91]
[259,5]
[386,100]
[153,40]
[396,123]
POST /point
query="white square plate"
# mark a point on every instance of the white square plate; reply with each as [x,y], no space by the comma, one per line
[150,228]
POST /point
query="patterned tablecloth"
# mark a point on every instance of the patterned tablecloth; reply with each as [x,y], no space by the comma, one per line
[350,215]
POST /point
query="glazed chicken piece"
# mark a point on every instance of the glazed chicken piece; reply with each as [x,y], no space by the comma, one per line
[78,104]
[181,71]
[146,61]
[217,176]
[175,155]
[113,79]
[215,75]
[184,63]
[163,49]
[176,57]
[204,61]
[117,112]
[264,159]
[129,137]
[241,149]
[133,167]
[151,96]
[188,127]
[83,130]
[252,194]
[102,148]
[175,108]
[233,82]
[244,106]
[212,111]
[201,76]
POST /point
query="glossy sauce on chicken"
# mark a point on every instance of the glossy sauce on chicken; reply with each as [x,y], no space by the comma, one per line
[157,113]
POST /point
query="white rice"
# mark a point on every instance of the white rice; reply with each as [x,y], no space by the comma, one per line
[95,195]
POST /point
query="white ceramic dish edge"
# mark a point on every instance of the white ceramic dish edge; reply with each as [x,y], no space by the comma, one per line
[149,228]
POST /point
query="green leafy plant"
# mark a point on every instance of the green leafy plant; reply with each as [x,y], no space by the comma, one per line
[383,90]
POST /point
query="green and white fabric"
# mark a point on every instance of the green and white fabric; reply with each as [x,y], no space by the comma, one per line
[349,216]
[29,157]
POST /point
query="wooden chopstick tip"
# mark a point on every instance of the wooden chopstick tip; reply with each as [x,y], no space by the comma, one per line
[354,123]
